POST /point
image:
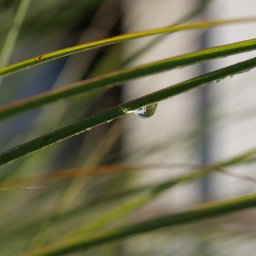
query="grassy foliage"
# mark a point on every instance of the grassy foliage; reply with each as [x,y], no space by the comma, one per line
[52,218]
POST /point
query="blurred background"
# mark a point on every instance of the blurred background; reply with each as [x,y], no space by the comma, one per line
[45,201]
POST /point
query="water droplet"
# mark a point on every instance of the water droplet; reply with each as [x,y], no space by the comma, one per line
[146,111]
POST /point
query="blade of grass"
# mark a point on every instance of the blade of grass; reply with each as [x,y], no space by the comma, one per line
[150,193]
[121,110]
[121,38]
[13,32]
[248,156]
[71,195]
[146,196]
[115,78]
[243,158]
[202,212]
[67,174]
[121,210]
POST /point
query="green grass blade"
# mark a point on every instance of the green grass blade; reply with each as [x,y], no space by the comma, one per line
[243,158]
[121,110]
[206,211]
[248,156]
[145,196]
[13,32]
[115,78]
[121,38]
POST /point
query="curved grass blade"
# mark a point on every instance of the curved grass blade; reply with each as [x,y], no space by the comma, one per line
[121,110]
[115,78]
[203,212]
[113,40]
[243,158]
[145,195]
[150,193]
[67,174]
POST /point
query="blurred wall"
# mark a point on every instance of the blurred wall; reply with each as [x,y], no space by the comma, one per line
[173,133]
[161,138]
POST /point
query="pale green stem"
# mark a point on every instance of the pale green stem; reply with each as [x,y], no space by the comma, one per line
[113,40]
[12,35]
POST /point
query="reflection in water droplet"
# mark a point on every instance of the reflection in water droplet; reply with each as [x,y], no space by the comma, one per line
[146,111]
[126,110]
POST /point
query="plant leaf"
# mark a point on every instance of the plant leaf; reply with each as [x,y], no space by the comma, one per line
[121,110]
[245,157]
[117,39]
[202,212]
[115,78]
